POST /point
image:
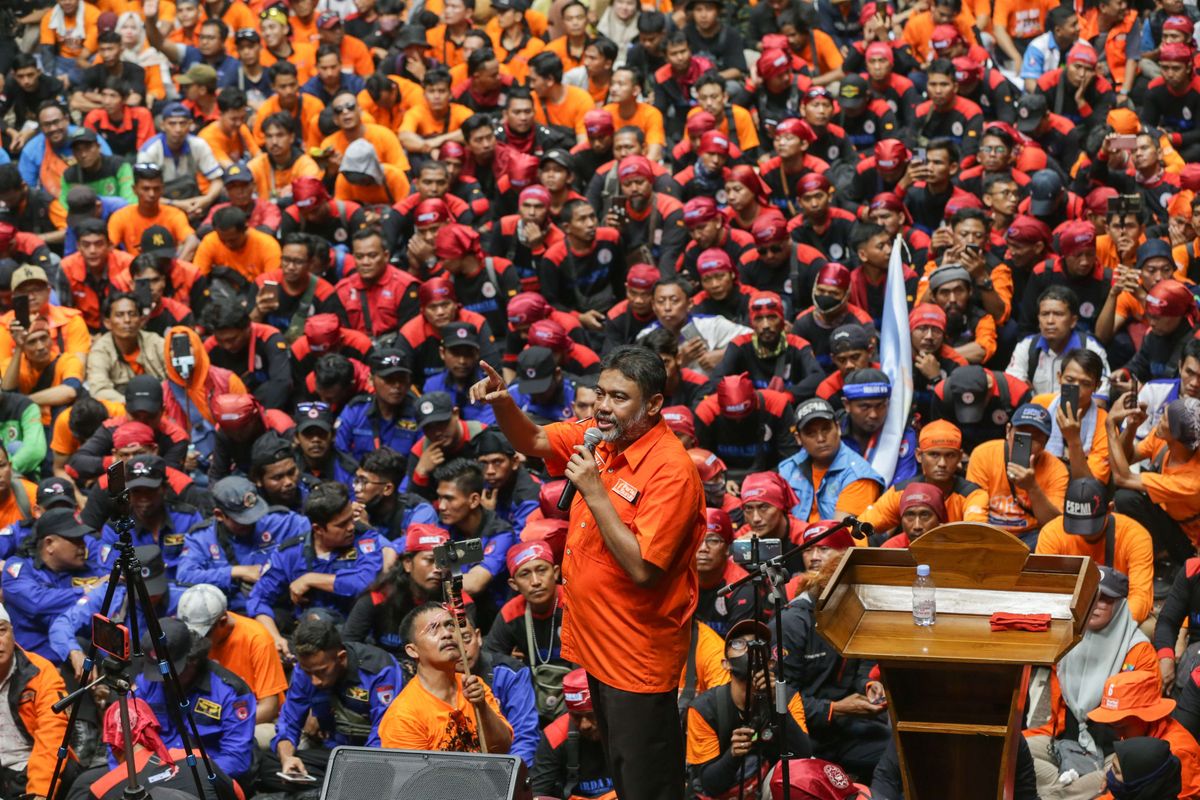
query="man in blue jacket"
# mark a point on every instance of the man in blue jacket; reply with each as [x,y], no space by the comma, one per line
[345,686]
[830,480]
[512,684]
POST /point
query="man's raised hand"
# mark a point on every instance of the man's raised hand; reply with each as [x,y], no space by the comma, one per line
[491,388]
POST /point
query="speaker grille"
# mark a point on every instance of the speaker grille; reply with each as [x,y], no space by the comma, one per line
[371,774]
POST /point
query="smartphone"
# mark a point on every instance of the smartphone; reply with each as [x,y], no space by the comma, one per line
[1022,449]
[271,287]
[181,354]
[1130,398]
[973,248]
[296,777]
[620,212]
[740,552]
[690,331]
[110,637]
[21,309]
[141,291]
[116,479]
[1070,397]
[1122,142]
[918,155]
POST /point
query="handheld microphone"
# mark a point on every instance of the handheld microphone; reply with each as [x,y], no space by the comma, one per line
[591,438]
[859,530]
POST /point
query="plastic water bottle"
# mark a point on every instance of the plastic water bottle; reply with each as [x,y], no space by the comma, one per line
[924,601]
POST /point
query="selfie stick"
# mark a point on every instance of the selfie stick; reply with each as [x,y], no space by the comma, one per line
[773,573]
[128,568]
[446,556]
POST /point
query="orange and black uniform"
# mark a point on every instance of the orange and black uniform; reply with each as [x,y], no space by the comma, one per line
[621,327]
[33,686]
[794,363]
[504,241]
[570,766]
[423,342]
[792,281]
[816,333]
[486,295]
[406,209]
[659,229]
[263,366]
[784,184]
[292,310]
[1091,289]
[592,280]
[830,236]
[711,721]
[354,345]
[336,228]
[735,306]
[390,301]
[753,443]
[1004,396]
[89,292]
[962,122]
[737,244]
[1098,98]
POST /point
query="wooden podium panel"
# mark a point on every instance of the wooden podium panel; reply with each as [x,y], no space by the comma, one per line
[956,690]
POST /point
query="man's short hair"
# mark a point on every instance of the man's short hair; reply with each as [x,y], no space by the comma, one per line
[464,473]
[606,47]
[409,623]
[231,98]
[662,342]
[225,313]
[304,240]
[229,218]
[282,68]
[1088,361]
[114,298]
[547,65]
[1062,294]
[640,366]
[478,59]
[325,502]
[333,369]
[316,635]
[280,119]
[387,464]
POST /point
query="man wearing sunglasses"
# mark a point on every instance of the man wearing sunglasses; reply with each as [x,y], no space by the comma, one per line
[347,116]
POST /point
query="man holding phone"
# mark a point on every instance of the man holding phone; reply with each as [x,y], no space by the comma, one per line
[1025,484]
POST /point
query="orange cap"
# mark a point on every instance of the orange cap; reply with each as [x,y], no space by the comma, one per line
[940,433]
[1136,693]
[1124,121]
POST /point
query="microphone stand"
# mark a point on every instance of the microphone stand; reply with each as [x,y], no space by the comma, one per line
[772,574]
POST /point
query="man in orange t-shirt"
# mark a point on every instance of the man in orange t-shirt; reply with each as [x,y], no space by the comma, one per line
[555,103]
[630,578]
[235,245]
[439,709]
[126,225]
[228,136]
[434,120]
[347,115]
[356,56]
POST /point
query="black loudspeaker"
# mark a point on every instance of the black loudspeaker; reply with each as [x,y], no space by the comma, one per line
[369,773]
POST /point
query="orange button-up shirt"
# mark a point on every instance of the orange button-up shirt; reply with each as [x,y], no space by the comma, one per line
[630,637]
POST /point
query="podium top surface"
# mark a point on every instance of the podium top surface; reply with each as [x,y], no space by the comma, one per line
[866,610]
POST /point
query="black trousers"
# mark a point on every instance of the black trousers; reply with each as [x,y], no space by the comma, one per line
[1165,532]
[642,741]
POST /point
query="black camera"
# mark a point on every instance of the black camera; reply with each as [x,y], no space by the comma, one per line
[453,555]
[742,553]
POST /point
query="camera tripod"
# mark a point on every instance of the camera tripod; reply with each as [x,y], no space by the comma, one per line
[769,578]
[114,670]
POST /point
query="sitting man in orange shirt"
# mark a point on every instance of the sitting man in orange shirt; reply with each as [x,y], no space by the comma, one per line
[279,163]
[356,56]
[228,135]
[1023,497]
[304,109]
[41,372]
[126,225]
[237,247]
[439,709]
[347,115]
[67,329]
[240,645]
[435,120]
[364,180]
[555,103]
[626,109]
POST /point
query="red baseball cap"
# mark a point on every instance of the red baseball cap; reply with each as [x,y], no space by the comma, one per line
[967,69]
[422,537]
[549,334]
[927,314]
[640,276]
[834,274]
[924,494]
[814,779]
[713,260]
[944,36]
[1083,53]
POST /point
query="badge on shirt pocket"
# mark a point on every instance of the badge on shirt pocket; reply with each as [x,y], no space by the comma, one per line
[207,708]
[625,489]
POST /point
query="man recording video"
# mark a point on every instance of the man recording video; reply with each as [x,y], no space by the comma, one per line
[629,572]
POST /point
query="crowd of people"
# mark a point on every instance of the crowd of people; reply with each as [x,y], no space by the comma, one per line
[315,271]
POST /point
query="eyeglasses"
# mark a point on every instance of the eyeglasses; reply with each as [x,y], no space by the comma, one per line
[344,107]
[994,149]
[713,541]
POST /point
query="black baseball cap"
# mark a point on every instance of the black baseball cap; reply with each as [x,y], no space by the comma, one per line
[535,370]
[812,409]
[154,569]
[491,441]
[1085,509]
[145,472]
[1114,584]
[268,449]
[313,414]
[849,337]
[853,92]
[237,173]
[55,492]
[60,522]
[158,241]
[434,407]
[179,644]
[83,136]
[1031,415]
[239,498]
[967,387]
[144,393]
[558,156]
[1031,110]
[390,361]
[1045,188]
[460,334]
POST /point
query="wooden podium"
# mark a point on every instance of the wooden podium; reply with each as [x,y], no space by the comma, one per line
[956,690]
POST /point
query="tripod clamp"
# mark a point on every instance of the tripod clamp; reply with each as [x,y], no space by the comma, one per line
[772,573]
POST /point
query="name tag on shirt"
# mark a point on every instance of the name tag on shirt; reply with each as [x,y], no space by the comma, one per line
[626,490]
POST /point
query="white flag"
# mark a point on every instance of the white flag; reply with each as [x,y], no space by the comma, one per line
[895,356]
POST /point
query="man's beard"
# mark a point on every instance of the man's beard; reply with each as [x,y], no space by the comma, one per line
[629,431]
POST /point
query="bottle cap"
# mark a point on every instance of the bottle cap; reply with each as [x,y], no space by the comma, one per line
[922,570]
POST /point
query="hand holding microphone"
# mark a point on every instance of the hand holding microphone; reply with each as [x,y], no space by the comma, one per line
[591,438]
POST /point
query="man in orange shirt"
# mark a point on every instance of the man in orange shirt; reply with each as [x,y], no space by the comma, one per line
[555,103]
[304,109]
[347,115]
[1023,497]
[126,225]
[67,328]
[629,575]
[236,246]
[626,109]
[278,165]
[446,40]
[434,120]
[356,56]
[228,135]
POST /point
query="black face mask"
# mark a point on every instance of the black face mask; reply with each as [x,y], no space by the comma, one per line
[826,303]
[739,666]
